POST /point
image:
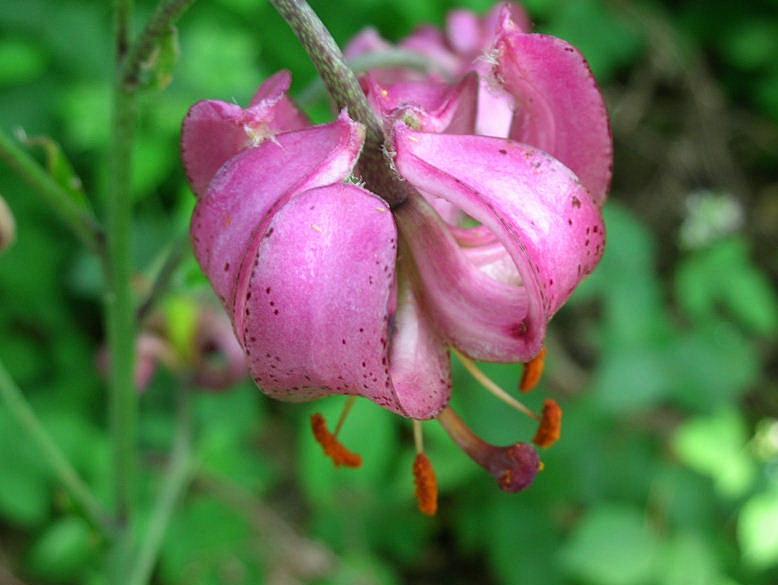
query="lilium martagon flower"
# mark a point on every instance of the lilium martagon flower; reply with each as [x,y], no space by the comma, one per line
[331,291]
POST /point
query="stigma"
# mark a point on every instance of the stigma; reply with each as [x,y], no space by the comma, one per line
[514,466]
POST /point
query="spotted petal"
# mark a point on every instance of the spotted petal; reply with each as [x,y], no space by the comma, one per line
[559,108]
[537,210]
[317,316]
[252,183]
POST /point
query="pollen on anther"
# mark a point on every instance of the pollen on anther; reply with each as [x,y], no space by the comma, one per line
[426,485]
[533,372]
[333,448]
[550,425]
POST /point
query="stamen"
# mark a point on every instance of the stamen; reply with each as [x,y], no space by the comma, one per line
[533,371]
[424,475]
[426,485]
[350,401]
[418,437]
[492,387]
[333,448]
[514,466]
[550,426]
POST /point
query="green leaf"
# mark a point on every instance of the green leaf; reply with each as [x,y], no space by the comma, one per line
[205,541]
[687,559]
[716,446]
[612,545]
[711,366]
[628,380]
[60,168]
[21,61]
[725,274]
[63,551]
[757,530]
[752,44]
[25,497]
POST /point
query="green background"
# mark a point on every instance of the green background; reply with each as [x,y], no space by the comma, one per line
[665,361]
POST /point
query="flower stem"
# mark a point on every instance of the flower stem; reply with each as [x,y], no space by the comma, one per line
[385,59]
[80,220]
[119,310]
[344,88]
[180,473]
[165,15]
[22,412]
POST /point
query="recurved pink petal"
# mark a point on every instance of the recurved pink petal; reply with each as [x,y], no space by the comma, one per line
[536,208]
[498,15]
[475,313]
[252,183]
[469,34]
[429,105]
[559,108]
[430,42]
[282,112]
[215,131]
[367,41]
[464,32]
[316,310]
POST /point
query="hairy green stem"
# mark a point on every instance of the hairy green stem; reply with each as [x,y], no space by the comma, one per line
[385,59]
[119,309]
[79,219]
[343,87]
[179,475]
[165,15]
[50,452]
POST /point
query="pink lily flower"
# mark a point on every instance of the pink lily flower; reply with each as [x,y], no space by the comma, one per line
[332,292]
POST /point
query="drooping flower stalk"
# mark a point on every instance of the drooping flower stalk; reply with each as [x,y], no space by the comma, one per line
[343,87]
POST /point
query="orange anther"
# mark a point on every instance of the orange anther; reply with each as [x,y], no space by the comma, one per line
[533,371]
[550,425]
[426,485]
[333,448]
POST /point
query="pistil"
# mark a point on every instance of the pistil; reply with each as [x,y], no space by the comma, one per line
[514,466]
[492,387]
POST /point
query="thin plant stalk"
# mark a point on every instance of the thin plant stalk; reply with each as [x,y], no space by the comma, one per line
[23,414]
[179,474]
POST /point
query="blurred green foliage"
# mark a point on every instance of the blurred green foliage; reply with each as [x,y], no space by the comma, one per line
[665,361]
